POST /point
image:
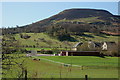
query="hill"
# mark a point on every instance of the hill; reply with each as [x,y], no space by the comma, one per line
[44,40]
[81,13]
[40,40]
[92,18]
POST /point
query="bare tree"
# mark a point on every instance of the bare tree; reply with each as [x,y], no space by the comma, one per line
[11,51]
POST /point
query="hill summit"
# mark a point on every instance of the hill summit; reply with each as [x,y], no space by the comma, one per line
[90,18]
[81,13]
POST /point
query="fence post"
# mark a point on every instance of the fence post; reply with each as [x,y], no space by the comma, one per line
[25,74]
[86,77]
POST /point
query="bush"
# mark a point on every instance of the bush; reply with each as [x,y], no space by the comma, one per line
[46,52]
[24,36]
[110,53]
[55,50]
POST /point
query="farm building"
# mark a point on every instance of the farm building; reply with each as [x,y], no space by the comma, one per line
[79,53]
[76,45]
[93,46]
[108,45]
[90,45]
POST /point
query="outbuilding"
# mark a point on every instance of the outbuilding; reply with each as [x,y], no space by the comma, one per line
[80,53]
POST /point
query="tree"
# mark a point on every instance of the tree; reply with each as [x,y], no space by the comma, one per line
[10,53]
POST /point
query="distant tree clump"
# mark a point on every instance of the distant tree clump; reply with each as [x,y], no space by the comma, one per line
[24,36]
[60,33]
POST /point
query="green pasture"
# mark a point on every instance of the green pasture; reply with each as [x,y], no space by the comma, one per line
[88,61]
[47,69]
[38,49]
[53,42]
[35,40]
[100,38]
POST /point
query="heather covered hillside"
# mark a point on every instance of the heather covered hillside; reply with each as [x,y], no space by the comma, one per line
[85,20]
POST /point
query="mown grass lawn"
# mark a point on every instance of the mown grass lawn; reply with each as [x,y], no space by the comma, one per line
[92,61]
[47,69]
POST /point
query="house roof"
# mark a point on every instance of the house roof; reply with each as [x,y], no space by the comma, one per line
[111,43]
[98,44]
[79,43]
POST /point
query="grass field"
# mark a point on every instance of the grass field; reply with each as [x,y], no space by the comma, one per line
[88,61]
[35,40]
[47,69]
[38,49]
[94,67]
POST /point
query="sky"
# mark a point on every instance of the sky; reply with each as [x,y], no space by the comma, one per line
[23,13]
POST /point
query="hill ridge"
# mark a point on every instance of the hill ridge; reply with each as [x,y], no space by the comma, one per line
[103,17]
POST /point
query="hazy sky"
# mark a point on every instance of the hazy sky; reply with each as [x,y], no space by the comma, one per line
[23,13]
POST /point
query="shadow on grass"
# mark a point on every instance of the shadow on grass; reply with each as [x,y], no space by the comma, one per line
[102,36]
[86,35]
[67,38]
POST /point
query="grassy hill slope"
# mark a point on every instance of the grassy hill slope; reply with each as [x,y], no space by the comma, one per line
[43,40]
[40,39]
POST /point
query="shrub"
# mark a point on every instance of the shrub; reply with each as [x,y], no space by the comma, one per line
[25,36]
[46,52]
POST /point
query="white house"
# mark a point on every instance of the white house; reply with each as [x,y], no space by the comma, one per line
[95,45]
[104,46]
[108,45]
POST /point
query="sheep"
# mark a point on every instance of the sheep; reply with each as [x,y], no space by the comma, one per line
[36,59]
